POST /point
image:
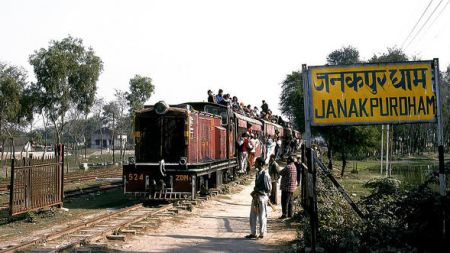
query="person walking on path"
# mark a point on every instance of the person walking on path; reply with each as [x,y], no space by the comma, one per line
[287,187]
[275,176]
[258,210]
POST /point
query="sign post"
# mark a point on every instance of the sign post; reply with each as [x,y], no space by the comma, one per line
[371,94]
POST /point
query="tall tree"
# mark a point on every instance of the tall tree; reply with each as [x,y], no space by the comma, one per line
[291,99]
[123,126]
[141,88]
[66,74]
[15,105]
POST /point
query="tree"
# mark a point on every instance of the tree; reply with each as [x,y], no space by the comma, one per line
[13,105]
[344,56]
[110,113]
[66,75]
[123,125]
[141,88]
[291,99]
[14,100]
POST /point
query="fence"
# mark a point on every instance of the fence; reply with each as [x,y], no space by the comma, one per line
[36,183]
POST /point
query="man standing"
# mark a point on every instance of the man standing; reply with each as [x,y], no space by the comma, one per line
[251,155]
[274,175]
[243,152]
[287,186]
[258,210]
[265,107]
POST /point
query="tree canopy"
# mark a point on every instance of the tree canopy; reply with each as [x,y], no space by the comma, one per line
[13,97]
[291,99]
[66,74]
[141,88]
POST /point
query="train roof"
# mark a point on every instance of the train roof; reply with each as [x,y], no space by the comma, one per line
[248,119]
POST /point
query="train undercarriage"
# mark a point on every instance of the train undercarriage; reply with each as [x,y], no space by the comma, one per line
[174,181]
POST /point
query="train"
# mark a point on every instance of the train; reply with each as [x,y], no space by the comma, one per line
[188,149]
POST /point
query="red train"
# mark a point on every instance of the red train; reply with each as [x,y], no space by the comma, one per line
[182,150]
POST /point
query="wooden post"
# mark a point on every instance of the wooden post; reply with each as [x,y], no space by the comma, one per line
[440,142]
[310,161]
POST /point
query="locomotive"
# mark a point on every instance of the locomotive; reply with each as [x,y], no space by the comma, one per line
[186,149]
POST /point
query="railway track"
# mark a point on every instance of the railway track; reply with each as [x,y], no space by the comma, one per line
[79,192]
[90,230]
[75,177]
[114,226]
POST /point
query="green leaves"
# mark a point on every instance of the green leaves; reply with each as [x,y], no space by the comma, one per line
[66,75]
[13,104]
[141,88]
[291,99]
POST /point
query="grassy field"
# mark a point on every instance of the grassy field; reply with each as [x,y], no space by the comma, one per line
[359,172]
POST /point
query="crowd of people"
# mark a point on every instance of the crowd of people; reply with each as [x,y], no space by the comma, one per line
[266,191]
[253,112]
[273,148]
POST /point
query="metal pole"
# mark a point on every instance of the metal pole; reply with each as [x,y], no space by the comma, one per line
[382,147]
[440,140]
[387,149]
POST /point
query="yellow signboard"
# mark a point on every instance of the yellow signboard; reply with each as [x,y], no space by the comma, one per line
[371,94]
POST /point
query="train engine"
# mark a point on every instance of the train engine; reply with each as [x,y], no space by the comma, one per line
[181,150]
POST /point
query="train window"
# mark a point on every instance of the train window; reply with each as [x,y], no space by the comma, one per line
[219,111]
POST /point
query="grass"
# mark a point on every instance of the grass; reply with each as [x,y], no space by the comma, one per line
[357,173]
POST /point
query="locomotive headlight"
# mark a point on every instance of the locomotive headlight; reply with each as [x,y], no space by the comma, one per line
[183,161]
[161,107]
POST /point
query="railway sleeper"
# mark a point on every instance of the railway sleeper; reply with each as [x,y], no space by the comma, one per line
[116,237]
[136,226]
[128,231]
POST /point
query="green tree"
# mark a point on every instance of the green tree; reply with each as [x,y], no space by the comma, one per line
[344,56]
[66,74]
[291,99]
[141,88]
[13,85]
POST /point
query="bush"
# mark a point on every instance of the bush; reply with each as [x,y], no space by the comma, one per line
[397,219]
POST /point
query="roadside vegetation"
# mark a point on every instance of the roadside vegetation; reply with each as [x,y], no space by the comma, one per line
[398,216]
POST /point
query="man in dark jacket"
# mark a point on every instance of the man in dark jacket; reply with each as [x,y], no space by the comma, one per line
[260,197]
[287,187]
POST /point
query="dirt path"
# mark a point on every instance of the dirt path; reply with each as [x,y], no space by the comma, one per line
[218,226]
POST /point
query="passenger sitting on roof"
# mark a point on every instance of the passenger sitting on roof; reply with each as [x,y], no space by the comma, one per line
[250,111]
[219,96]
[235,104]
[226,100]
[211,97]
[256,112]
[269,115]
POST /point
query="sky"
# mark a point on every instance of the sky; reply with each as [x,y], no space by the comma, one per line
[244,47]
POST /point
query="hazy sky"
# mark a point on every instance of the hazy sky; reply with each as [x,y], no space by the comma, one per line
[244,47]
